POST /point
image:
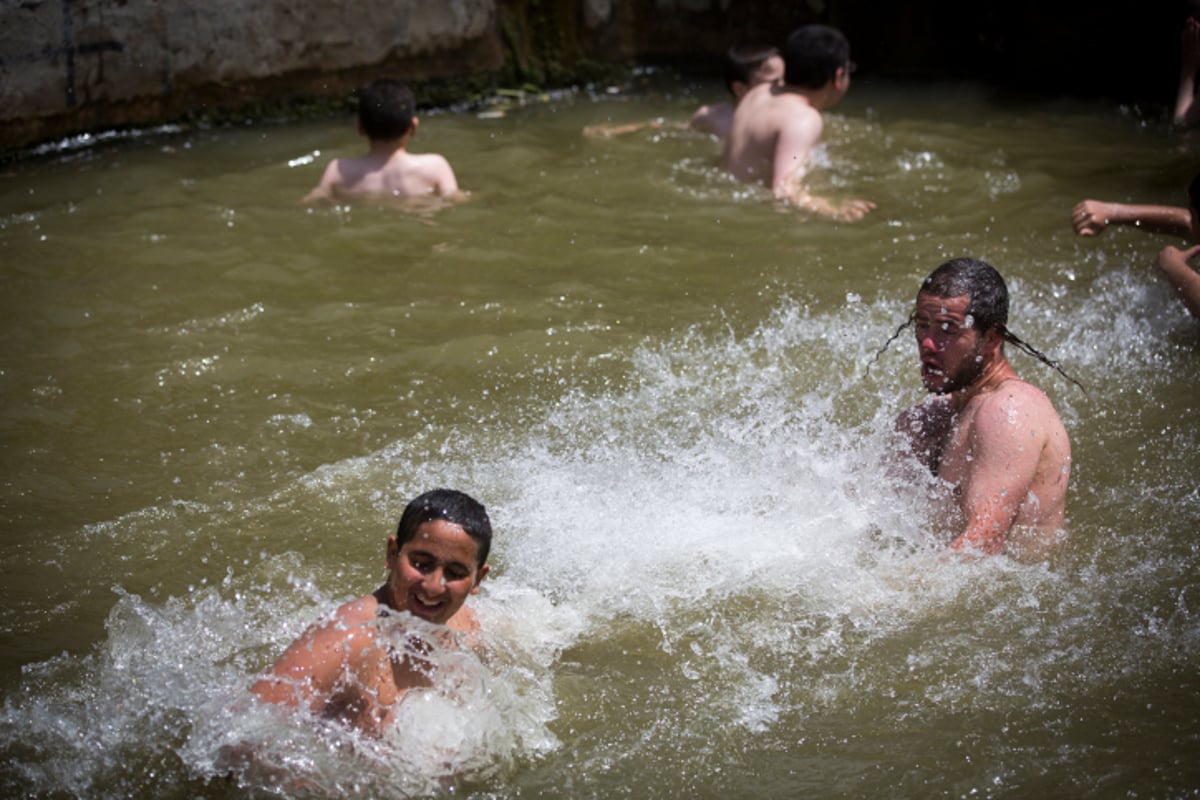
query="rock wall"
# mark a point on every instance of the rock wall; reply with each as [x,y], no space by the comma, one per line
[70,66]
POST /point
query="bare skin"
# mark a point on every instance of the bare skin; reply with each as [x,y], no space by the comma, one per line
[1187,110]
[994,440]
[773,133]
[714,119]
[1091,217]
[1173,265]
[387,171]
[344,668]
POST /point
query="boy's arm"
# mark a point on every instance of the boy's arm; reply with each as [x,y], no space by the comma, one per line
[790,159]
[1090,217]
[792,150]
[1173,265]
[324,190]
[444,181]
[309,670]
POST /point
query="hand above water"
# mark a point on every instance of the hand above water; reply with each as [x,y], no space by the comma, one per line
[1090,217]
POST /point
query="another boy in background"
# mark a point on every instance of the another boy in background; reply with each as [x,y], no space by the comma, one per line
[746,66]
[387,117]
[776,128]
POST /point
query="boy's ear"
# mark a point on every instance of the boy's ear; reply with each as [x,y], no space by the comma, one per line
[479,576]
[414,125]
[393,552]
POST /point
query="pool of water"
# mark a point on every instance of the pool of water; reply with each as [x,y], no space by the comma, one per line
[216,402]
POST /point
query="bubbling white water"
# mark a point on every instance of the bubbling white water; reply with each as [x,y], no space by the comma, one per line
[708,557]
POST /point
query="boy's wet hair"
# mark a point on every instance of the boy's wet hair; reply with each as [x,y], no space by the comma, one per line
[743,60]
[813,54]
[454,507]
[386,109]
[987,309]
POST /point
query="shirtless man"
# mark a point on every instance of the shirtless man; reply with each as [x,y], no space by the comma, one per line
[387,117]
[344,668]
[776,126]
[993,439]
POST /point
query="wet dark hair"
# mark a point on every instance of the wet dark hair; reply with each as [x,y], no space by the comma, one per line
[813,54]
[386,109]
[987,310]
[1194,192]
[452,506]
[742,61]
[980,281]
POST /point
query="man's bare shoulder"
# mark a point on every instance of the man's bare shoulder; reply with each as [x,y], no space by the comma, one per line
[1015,408]
[1016,396]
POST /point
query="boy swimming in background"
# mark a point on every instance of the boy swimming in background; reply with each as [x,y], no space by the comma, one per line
[746,66]
[387,117]
[346,668]
[776,127]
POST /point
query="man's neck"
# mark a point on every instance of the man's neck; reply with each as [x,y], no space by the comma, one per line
[989,380]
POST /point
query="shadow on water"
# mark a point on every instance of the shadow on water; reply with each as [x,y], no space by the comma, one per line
[705,581]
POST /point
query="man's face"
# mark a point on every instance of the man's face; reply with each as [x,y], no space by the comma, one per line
[949,345]
[433,573]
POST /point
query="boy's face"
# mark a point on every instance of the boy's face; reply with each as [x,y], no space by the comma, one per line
[770,71]
[434,572]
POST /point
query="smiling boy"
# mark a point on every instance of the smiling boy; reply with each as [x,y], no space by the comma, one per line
[344,668]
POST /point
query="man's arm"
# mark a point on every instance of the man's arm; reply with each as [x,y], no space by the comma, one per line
[1006,443]
[1090,217]
[1173,265]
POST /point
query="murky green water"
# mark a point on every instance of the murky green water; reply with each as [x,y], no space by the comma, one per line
[216,402]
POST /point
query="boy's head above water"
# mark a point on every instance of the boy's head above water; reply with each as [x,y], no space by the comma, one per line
[454,507]
[386,109]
